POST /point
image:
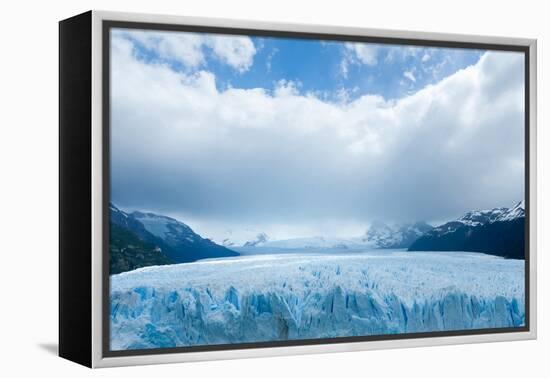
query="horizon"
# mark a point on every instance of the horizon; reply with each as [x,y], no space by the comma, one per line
[217,234]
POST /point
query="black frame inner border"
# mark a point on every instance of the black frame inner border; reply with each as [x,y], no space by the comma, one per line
[107,25]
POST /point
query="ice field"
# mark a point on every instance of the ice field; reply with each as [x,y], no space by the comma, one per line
[313,295]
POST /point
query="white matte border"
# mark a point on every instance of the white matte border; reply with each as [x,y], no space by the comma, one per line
[97,195]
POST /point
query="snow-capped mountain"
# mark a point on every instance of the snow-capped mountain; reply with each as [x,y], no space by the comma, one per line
[175,239]
[166,228]
[499,231]
[379,235]
[515,212]
[395,236]
[477,218]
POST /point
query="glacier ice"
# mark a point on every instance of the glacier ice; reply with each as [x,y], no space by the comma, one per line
[305,296]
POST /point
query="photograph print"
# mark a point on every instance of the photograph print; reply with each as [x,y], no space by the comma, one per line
[275,190]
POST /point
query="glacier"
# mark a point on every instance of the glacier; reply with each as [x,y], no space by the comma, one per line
[313,295]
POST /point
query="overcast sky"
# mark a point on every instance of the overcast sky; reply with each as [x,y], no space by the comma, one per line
[302,138]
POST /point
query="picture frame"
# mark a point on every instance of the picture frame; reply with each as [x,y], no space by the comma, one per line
[86,185]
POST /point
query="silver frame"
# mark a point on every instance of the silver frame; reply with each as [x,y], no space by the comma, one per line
[97,193]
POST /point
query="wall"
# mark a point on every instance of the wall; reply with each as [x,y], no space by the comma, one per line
[28,150]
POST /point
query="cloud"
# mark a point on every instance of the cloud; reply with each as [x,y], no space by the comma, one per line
[269,59]
[344,95]
[189,49]
[358,53]
[180,145]
[402,53]
[236,51]
[409,75]
[344,67]
[363,52]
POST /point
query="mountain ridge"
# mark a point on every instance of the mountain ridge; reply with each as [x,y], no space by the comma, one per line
[176,240]
[499,231]
[402,235]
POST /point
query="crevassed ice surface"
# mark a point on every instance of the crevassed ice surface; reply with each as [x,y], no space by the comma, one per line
[306,296]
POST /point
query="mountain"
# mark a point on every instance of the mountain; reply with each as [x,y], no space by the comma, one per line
[515,212]
[395,236]
[245,237]
[260,240]
[499,231]
[184,244]
[379,235]
[177,241]
[128,252]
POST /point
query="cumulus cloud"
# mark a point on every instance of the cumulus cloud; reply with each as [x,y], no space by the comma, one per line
[357,54]
[189,48]
[363,52]
[236,51]
[180,145]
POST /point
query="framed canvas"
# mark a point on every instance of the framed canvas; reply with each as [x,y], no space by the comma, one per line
[235,189]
